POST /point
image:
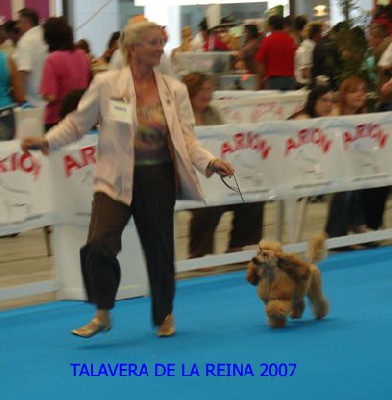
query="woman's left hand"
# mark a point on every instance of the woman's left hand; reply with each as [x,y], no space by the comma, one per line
[220,167]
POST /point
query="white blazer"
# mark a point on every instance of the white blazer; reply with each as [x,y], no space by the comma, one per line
[115,163]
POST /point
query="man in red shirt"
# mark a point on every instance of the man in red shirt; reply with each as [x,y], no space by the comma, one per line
[275,58]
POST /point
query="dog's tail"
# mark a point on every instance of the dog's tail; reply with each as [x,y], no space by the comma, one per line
[317,248]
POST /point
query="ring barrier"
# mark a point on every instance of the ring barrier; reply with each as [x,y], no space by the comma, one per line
[282,160]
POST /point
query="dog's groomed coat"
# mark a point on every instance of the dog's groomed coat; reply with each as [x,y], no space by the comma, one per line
[284,280]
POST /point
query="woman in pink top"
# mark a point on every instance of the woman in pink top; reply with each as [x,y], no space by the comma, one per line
[65,68]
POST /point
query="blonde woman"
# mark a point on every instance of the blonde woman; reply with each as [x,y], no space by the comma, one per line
[147,154]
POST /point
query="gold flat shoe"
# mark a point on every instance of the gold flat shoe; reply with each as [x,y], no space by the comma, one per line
[91,329]
[167,328]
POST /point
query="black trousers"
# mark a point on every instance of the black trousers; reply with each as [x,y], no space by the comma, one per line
[345,211]
[247,225]
[374,201]
[152,209]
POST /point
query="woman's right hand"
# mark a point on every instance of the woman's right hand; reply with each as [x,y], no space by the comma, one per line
[34,143]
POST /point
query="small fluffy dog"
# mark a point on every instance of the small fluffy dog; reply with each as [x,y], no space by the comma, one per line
[283,280]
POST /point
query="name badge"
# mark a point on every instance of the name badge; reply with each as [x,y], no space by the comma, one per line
[120,111]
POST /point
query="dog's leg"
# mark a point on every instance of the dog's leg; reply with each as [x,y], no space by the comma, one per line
[277,311]
[298,309]
[320,306]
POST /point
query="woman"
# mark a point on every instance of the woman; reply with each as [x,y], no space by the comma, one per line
[65,68]
[247,222]
[346,212]
[245,57]
[320,103]
[11,93]
[146,148]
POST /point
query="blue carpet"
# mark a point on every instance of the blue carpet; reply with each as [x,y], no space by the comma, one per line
[220,321]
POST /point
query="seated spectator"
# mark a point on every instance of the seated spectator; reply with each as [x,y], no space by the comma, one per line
[247,223]
[320,103]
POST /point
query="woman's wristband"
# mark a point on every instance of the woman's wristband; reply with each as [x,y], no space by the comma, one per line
[211,164]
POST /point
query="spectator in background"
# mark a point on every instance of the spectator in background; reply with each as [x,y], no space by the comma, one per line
[9,35]
[299,24]
[12,31]
[275,58]
[83,44]
[11,93]
[327,60]
[304,54]
[346,214]
[102,63]
[245,57]
[111,47]
[30,54]
[383,55]
[219,38]
[247,223]
[200,38]
[65,68]
[319,103]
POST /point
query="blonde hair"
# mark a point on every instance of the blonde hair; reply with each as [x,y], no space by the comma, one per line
[132,34]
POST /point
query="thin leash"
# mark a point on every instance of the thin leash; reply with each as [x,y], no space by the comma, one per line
[234,189]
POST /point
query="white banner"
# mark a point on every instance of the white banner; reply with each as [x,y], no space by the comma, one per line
[25,195]
[276,160]
[255,107]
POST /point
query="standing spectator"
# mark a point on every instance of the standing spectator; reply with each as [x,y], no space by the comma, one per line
[83,44]
[247,221]
[12,31]
[30,54]
[145,161]
[8,37]
[299,24]
[245,56]
[327,60]
[275,58]
[383,55]
[346,214]
[112,46]
[304,55]
[65,68]
[11,93]
[200,38]
[103,61]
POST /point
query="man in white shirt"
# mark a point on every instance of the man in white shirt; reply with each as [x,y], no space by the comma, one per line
[30,54]
[304,54]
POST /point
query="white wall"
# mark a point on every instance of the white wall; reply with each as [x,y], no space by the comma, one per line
[95,28]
